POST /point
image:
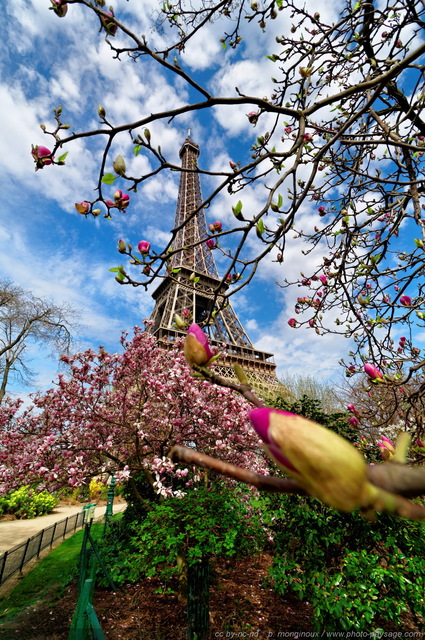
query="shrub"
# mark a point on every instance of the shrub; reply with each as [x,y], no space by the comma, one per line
[356,573]
[25,502]
[213,522]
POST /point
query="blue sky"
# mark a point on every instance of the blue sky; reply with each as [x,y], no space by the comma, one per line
[51,250]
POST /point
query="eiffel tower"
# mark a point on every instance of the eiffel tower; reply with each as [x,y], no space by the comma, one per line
[190,287]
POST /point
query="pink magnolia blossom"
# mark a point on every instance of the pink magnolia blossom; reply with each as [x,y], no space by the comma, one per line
[144,247]
[109,25]
[324,464]
[196,348]
[323,279]
[353,421]
[83,207]
[406,301]
[373,372]
[41,156]
[210,243]
[253,117]
[386,449]
[292,322]
[322,211]
[111,410]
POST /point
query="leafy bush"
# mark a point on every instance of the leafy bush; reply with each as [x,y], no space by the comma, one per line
[351,570]
[356,573]
[25,502]
[213,522]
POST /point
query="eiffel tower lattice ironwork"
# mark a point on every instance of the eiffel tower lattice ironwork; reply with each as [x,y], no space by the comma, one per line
[191,285]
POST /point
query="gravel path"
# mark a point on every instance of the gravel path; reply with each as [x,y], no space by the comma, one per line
[14,532]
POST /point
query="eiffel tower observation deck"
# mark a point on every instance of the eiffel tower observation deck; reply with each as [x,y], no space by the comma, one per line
[190,289]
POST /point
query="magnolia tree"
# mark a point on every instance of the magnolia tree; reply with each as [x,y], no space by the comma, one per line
[122,413]
[339,136]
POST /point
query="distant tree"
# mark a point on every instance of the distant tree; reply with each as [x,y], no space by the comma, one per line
[26,319]
[306,385]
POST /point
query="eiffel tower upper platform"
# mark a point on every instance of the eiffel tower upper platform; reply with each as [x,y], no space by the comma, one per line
[192,288]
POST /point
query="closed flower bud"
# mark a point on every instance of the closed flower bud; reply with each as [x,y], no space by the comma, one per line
[179,322]
[196,347]
[210,243]
[406,301]
[326,465]
[59,7]
[386,449]
[122,247]
[373,372]
[101,111]
[119,165]
[144,247]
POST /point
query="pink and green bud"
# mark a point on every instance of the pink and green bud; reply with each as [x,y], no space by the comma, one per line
[373,372]
[196,347]
[322,211]
[83,207]
[352,408]
[326,465]
[354,422]
[59,7]
[42,156]
[386,449]
[210,243]
[308,137]
[122,247]
[108,24]
[406,301]
[292,322]
[144,247]
[121,200]
[253,117]
[323,279]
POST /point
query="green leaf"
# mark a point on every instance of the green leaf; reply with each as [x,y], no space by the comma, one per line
[238,207]
[62,157]
[115,269]
[279,201]
[260,227]
[176,270]
[109,178]
[137,149]
[224,46]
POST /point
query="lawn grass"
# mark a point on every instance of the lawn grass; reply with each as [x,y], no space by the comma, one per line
[50,577]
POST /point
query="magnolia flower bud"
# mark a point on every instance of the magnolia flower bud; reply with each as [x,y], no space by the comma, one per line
[179,322]
[119,165]
[196,347]
[101,111]
[144,247]
[83,207]
[326,465]
[122,247]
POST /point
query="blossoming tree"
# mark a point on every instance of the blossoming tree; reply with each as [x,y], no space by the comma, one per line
[123,413]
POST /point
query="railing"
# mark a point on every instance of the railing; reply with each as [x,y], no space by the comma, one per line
[15,559]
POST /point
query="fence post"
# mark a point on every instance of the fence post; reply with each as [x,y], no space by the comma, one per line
[53,534]
[24,554]
[41,534]
[3,566]
[198,589]
[65,528]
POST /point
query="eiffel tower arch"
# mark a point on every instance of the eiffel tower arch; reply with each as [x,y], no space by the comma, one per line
[190,289]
